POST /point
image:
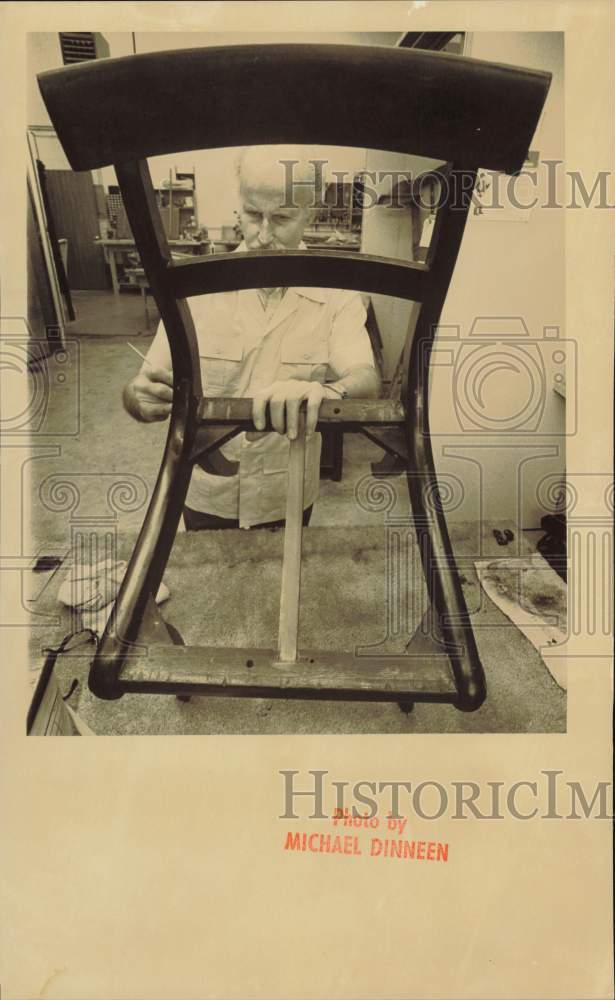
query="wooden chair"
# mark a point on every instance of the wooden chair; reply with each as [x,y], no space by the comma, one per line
[465,112]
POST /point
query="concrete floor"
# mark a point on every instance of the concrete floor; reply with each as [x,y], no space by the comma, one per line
[101,481]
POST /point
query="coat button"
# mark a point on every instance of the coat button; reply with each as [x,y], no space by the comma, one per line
[306,357]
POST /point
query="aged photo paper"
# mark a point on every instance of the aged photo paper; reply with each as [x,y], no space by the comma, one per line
[252,839]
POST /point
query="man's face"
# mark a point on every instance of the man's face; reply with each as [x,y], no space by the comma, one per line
[266,220]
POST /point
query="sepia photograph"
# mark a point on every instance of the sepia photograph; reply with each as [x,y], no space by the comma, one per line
[307,359]
[297,331]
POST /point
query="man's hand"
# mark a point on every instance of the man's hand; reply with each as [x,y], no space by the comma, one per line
[284,400]
[148,397]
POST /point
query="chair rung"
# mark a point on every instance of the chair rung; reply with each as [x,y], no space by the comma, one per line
[326,268]
[317,674]
[348,414]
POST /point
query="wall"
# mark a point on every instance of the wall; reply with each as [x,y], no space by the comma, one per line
[387,231]
[505,269]
[43,53]
[510,269]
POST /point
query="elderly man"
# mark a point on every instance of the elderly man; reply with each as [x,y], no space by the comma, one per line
[276,345]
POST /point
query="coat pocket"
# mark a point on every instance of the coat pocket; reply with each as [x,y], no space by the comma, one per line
[275,459]
[221,364]
[306,361]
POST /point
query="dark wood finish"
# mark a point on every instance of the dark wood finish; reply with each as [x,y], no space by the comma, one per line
[441,576]
[393,445]
[257,673]
[154,631]
[160,526]
[405,100]
[209,438]
[72,201]
[315,268]
[375,337]
[466,113]
[351,414]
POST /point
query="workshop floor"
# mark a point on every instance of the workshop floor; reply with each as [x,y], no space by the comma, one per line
[100,481]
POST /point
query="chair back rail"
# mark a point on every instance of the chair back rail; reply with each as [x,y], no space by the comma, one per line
[290,268]
[375,97]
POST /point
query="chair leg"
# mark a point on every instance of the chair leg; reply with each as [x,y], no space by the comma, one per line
[155,541]
[151,553]
[449,610]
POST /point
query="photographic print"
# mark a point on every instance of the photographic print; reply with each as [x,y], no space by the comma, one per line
[307,411]
[365,564]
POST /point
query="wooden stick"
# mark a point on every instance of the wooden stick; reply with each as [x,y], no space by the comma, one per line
[136,349]
[291,565]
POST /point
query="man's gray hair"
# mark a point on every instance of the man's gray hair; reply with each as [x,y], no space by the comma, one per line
[296,169]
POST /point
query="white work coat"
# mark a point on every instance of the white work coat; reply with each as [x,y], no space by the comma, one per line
[312,334]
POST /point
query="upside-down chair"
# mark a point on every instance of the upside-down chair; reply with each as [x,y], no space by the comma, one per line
[465,113]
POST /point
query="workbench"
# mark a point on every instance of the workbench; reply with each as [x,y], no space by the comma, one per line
[114,248]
